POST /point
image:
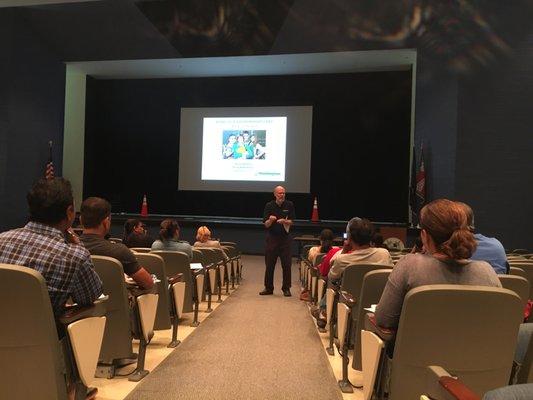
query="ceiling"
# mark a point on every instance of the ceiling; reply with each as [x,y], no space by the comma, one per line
[460,37]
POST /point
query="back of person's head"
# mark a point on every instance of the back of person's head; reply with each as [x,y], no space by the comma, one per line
[377,240]
[93,211]
[361,231]
[349,224]
[49,199]
[469,215]
[129,226]
[446,222]
[169,229]
[326,240]
[203,233]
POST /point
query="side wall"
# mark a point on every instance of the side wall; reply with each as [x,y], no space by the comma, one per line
[32,90]
[494,166]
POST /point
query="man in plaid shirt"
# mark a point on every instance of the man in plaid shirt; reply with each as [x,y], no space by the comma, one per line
[47,245]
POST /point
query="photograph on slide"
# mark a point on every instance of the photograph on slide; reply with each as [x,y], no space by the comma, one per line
[244,144]
[244,148]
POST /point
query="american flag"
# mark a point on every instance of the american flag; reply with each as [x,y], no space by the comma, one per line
[49,170]
[421,181]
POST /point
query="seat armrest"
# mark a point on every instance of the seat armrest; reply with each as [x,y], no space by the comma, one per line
[441,385]
[176,278]
[347,298]
[385,334]
[136,291]
[74,313]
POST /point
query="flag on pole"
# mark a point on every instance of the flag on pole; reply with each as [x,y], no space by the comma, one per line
[314,214]
[49,170]
[144,207]
[412,190]
[421,181]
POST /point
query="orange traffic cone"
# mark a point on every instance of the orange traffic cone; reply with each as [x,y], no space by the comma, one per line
[144,207]
[314,215]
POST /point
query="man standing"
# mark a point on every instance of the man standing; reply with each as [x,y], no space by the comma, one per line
[47,245]
[277,218]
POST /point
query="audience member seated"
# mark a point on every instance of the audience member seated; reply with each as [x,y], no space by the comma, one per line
[48,245]
[358,250]
[377,240]
[96,220]
[326,243]
[325,247]
[135,234]
[488,249]
[168,238]
[448,245]
[203,238]
[325,265]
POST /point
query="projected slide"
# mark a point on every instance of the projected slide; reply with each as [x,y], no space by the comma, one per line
[244,149]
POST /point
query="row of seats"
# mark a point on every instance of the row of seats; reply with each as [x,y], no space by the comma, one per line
[100,338]
[452,331]
[180,287]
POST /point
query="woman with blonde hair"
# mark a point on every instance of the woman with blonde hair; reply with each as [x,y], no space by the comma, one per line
[448,245]
[203,238]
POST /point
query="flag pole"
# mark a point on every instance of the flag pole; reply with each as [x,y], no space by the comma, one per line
[49,151]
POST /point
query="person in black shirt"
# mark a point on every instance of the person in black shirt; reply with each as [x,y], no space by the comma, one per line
[277,218]
[135,234]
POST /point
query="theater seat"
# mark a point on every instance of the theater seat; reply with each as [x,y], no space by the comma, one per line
[471,331]
[176,263]
[171,293]
[124,322]
[517,284]
[32,362]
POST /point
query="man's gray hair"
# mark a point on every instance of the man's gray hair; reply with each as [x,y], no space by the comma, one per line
[354,219]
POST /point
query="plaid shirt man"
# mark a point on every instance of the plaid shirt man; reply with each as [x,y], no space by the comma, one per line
[66,267]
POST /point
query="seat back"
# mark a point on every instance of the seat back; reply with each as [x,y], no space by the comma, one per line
[177,262]
[117,342]
[219,254]
[471,331]
[141,249]
[30,353]
[305,250]
[319,258]
[517,271]
[373,284]
[352,277]
[520,251]
[527,267]
[517,284]
[208,255]
[211,257]
[155,264]
[524,354]
[197,257]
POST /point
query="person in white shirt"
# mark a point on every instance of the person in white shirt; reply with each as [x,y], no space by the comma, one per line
[358,249]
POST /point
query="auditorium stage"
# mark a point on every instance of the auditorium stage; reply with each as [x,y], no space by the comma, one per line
[250,232]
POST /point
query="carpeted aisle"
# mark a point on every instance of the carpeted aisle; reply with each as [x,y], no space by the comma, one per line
[252,347]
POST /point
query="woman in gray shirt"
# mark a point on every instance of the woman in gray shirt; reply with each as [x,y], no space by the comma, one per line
[168,238]
[448,245]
